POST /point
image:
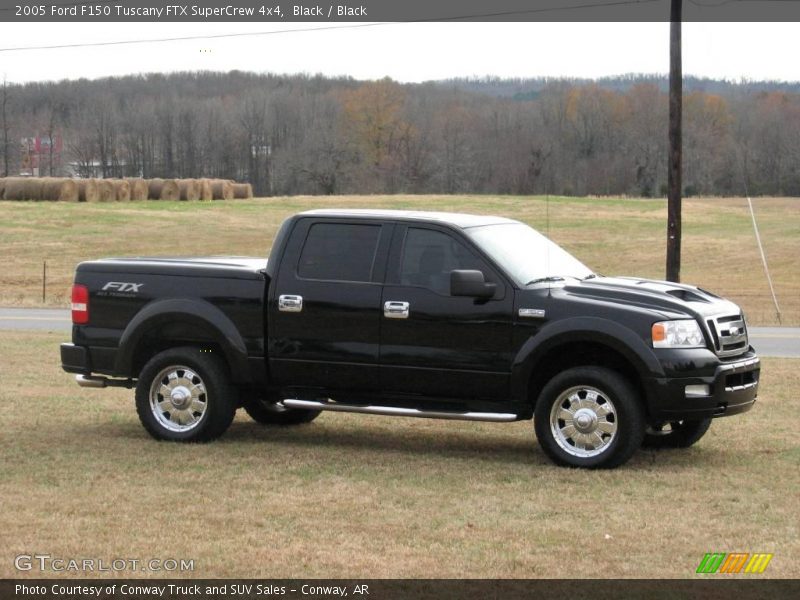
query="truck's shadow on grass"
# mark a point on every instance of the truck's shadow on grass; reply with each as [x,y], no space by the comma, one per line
[412,443]
[495,447]
[267,440]
[355,443]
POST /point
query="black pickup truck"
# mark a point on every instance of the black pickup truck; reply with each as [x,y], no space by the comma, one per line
[417,314]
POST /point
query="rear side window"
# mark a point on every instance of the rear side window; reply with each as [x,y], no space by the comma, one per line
[339,252]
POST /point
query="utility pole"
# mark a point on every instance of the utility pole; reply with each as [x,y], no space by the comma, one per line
[675,145]
[4,104]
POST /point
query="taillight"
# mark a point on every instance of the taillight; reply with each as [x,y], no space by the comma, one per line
[80,304]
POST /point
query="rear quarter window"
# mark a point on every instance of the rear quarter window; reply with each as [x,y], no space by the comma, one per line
[339,252]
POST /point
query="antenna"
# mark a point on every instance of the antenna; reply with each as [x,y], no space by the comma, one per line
[547,216]
[547,232]
[758,240]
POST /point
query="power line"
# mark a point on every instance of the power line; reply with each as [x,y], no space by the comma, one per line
[326,27]
[192,37]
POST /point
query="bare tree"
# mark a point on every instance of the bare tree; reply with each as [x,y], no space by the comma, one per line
[6,127]
[302,134]
[52,123]
[254,122]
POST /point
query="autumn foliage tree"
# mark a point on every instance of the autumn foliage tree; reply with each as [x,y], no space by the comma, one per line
[315,135]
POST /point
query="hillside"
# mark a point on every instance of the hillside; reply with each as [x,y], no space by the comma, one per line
[303,134]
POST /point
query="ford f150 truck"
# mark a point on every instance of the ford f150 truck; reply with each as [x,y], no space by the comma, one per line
[418,314]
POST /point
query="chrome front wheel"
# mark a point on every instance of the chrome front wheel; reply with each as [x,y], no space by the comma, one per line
[583,421]
[589,417]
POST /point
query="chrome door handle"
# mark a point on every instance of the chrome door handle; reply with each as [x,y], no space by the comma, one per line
[290,303]
[395,310]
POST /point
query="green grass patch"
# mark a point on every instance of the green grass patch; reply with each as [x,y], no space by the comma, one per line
[361,496]
[614,236]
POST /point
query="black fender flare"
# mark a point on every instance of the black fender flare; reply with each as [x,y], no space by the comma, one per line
[602,331]
[198,313]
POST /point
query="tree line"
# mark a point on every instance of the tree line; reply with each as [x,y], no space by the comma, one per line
[305,134]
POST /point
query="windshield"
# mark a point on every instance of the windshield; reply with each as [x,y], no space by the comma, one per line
[526,255]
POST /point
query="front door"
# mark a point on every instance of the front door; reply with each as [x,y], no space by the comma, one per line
[435,344]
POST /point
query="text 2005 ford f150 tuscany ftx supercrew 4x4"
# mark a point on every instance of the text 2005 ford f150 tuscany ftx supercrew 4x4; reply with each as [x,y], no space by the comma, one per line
[418,314]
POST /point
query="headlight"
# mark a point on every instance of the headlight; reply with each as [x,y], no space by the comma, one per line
[678,334]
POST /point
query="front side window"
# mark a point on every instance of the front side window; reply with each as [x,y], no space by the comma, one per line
[339,252]
[429,256]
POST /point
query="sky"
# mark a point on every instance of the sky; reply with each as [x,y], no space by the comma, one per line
[406,52]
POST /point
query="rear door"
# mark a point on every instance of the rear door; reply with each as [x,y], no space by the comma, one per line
[325,306]
[442,345]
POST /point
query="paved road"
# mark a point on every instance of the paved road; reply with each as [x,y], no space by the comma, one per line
[781,342]
[768,341]
[40,319]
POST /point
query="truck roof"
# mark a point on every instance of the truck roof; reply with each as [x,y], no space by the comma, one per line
[460,220]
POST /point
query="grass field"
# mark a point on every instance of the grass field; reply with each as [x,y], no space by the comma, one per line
[613,236]
[357,496]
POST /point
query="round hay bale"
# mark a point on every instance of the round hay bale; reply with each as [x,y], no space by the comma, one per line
[170,190]
[60,189]
[69,191]
[189,189]
[50,188]
[206,193]
[222,189]
[15,188]
[163,189]
[23,188]
[138,188]
[106,191]
[242,190]
[34,188]
[122,190]
[87,190]
[154,188]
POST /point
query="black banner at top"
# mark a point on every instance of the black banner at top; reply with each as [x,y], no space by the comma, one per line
[327,11]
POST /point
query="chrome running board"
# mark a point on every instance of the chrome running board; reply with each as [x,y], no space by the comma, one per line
[395,411]
[103,382]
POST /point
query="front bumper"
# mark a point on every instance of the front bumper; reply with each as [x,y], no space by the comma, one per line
[733,389]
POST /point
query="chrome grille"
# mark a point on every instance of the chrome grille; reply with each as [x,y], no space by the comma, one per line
[729,334]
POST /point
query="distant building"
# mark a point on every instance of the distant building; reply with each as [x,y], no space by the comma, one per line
[41,155]
[92,168]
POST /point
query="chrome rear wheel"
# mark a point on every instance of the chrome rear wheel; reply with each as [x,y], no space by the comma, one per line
[185,394]
[178,398]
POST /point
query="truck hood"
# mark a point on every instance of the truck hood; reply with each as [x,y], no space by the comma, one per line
[664,296]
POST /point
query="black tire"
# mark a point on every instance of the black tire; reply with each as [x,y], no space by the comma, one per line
[267,412]
[209,408]
[604,404]
[675,434]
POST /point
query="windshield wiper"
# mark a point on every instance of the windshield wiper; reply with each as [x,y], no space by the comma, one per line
[543,279]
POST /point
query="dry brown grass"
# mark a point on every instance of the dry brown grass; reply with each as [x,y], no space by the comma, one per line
[613,236]
[359,496]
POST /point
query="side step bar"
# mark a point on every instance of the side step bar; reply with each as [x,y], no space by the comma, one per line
[395,411]
[103,382]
